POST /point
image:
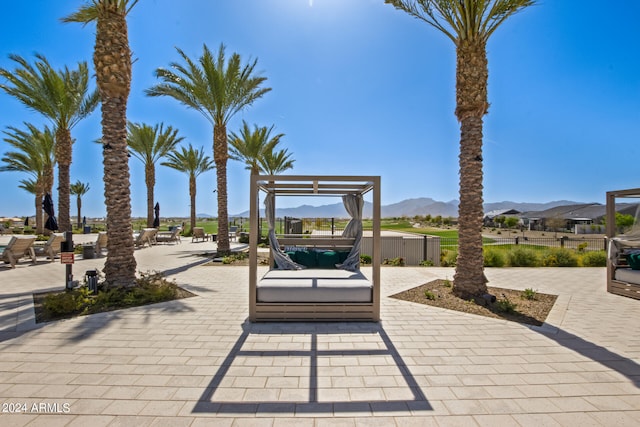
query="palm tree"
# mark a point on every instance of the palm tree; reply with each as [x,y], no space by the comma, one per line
[150,144]
[63,97]
[112,62]
[273,163]
[79,189]
[251,146]
[469,24]
[35,155]
[218,89]
[193,162]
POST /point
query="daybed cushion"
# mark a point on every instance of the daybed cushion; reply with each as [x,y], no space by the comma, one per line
[313,286]
[628,275]
[633,259]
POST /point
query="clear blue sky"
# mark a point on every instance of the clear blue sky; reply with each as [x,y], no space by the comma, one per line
[361,88]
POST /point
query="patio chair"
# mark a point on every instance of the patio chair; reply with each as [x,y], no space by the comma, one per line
[233,232]
[51,248]
[169,236]
[18,247]
[101,242]
[198,233]
[146,236]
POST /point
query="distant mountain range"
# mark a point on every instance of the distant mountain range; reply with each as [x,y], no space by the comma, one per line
[409,207]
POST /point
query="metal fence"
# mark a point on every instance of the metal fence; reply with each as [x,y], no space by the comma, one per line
[582,243]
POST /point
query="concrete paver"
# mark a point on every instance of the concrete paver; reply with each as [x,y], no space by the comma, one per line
[197,361]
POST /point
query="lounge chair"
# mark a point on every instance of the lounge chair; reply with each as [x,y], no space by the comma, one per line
[233,232]
[146,236]
[198,233]
[169,236]
[52,246]
[18,247]
[101,242]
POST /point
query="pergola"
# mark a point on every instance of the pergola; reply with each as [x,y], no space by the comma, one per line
[316,308]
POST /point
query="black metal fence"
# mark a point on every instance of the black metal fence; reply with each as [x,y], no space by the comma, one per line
[580,243]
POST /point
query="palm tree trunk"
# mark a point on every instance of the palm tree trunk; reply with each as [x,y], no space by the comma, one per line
[79,201]
[471,97]
[150,180]
[112,60]
[192,196]
[63,157]
[120,266]
[220,156]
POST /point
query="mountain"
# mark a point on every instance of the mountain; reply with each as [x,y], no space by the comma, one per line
[409,207]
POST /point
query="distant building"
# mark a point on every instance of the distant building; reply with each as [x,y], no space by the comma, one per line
[579,219]
[489,219]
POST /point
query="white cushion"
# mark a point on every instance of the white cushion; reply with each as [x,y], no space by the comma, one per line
[314,285]
[628,275]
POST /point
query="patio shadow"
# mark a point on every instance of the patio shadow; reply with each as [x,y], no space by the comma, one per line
[371,336]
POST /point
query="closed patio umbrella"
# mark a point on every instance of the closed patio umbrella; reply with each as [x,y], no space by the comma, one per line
[47,205]
[156,219]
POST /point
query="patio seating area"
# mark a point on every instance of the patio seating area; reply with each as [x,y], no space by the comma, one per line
[198,361]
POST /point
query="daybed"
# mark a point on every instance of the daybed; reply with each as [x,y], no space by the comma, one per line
[623,271]
[315,278]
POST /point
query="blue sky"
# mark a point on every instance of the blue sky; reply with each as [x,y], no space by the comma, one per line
[360,88]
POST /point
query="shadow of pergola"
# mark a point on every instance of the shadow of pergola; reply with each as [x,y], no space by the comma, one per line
[377,344]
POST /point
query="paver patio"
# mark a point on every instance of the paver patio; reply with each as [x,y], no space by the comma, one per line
[197,361]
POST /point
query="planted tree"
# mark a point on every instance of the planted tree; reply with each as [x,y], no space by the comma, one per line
[35,155]
[251,146]
[149,145]
[193,162]
[112,62]
[217,87]
[63,97]
[79,189]
[468,24]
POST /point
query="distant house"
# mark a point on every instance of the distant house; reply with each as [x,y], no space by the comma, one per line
[579,219]
[489,219]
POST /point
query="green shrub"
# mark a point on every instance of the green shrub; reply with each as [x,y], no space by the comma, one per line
[365,259]
[505,306]
[522,257]
[426,263]
[560,258]
[429,295]
[529,294]
[396,262]
[594,259]
[582,246]
[448,258]
[493,258]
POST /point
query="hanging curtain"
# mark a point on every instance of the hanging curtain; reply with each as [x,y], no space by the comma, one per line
[353,203]
[282,259]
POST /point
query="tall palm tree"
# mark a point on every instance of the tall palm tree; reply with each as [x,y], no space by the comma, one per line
[275,162]
[150,144]
[79,189]
[112,62]
[193,162]
[469,24]
[217,88]
[35,155]
[63,97]
[251,145]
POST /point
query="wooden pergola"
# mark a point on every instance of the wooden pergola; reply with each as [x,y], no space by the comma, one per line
[621,280]
[307,185]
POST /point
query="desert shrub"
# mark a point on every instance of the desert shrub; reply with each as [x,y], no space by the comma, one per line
[582,246]
[429,295]
[448,258]
[529,294]
[396,262]
[493,258]
[560,258]
[365,259]
[522,257]
[594,259]
[426,263]
[504,305]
